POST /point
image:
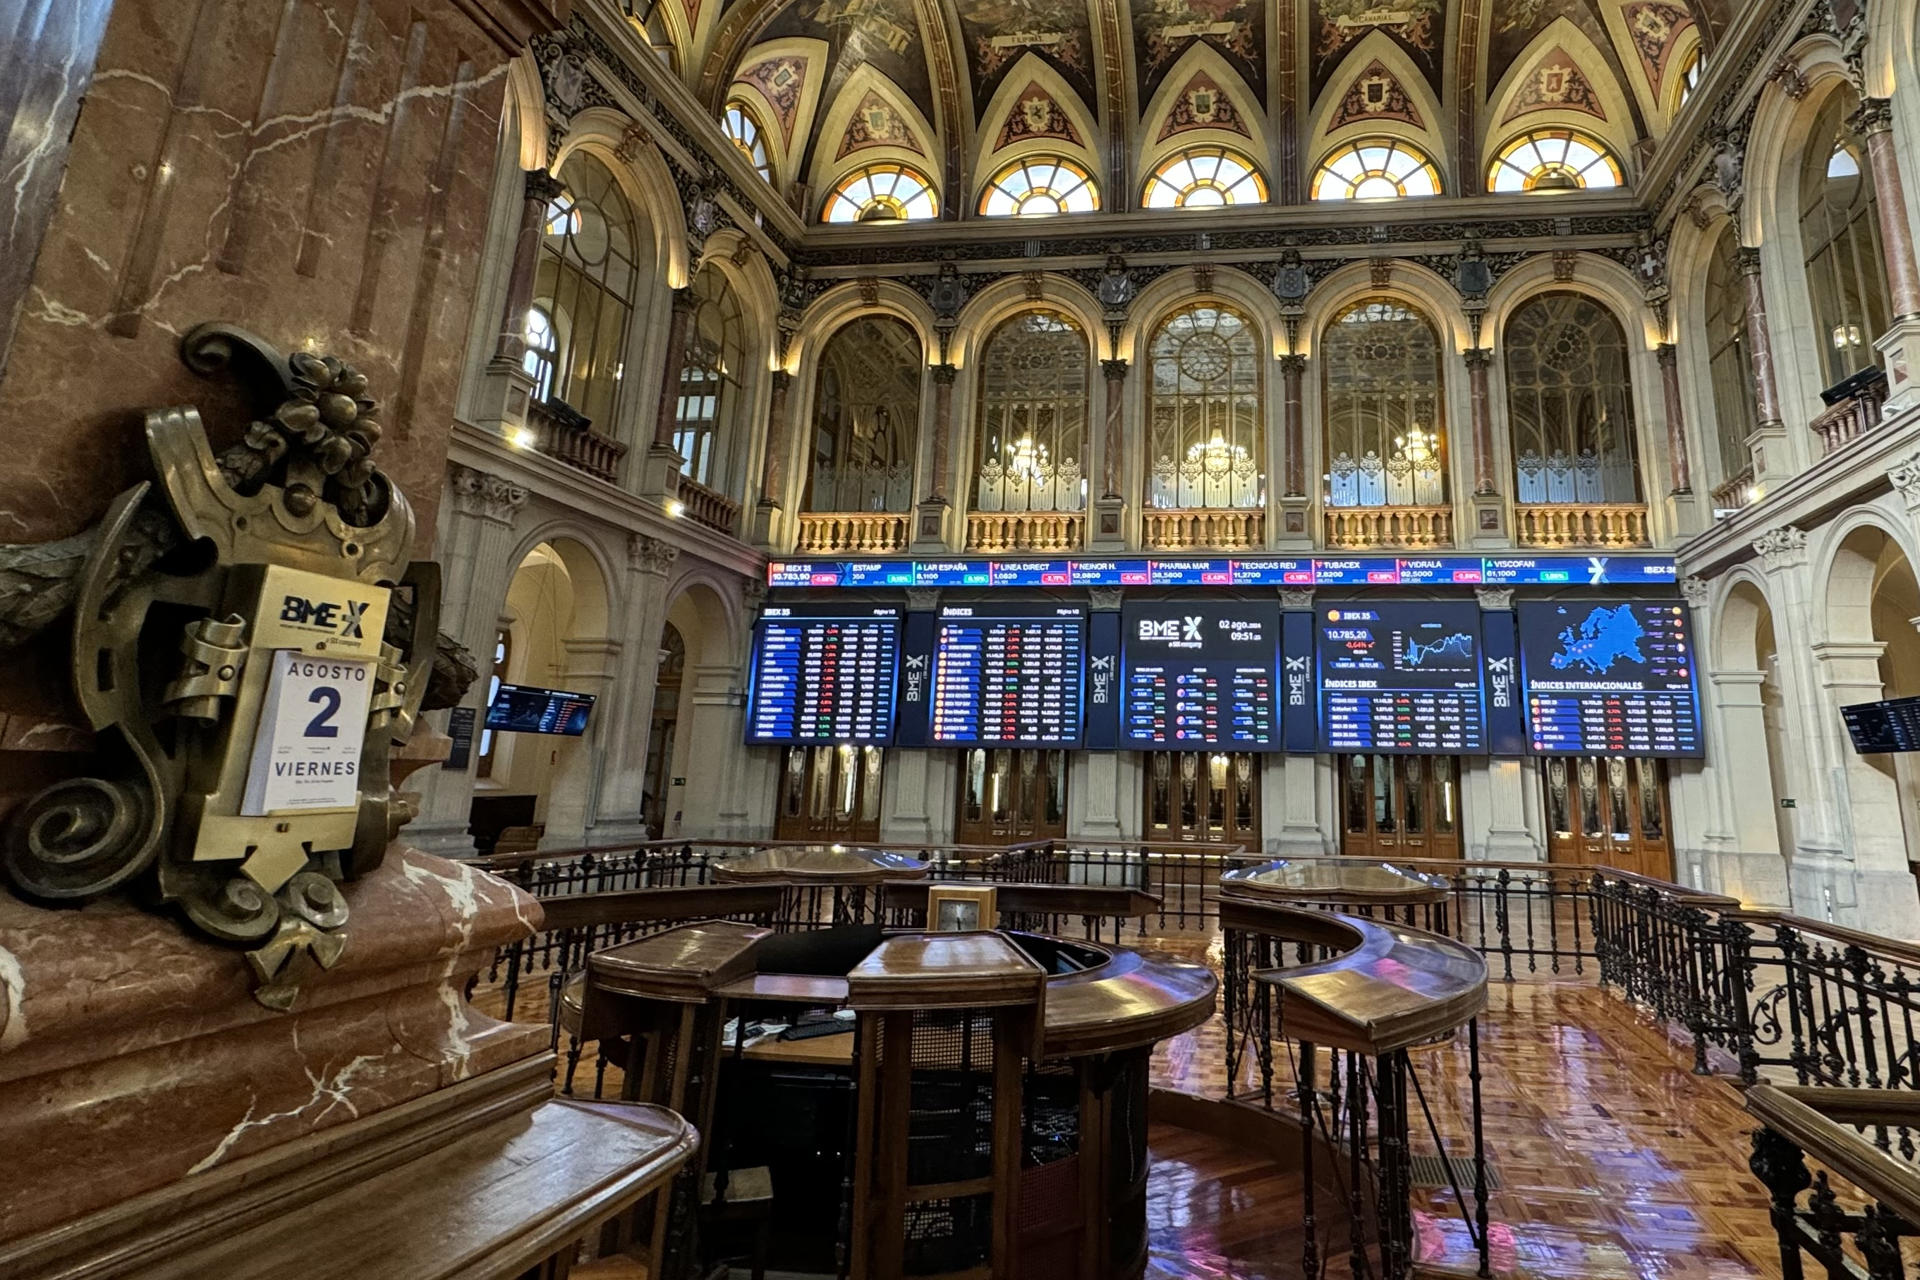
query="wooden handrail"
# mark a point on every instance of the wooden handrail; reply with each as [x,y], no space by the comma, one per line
[1891,948]
[1818,1120]
[637,906]
[1036,899]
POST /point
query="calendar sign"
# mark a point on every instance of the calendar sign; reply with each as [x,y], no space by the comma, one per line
[306,753]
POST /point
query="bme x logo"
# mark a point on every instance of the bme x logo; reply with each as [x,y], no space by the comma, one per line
[350,616]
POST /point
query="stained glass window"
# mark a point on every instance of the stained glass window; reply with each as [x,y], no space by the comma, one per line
[1033,416]
[1840,235]
[584,285]
[1204,177]
[1570,403]
[739,125]
[1386,434]
[1553,160]
[1730,360]
[881,193]
[1040,185]
[866,418]
[1375,169]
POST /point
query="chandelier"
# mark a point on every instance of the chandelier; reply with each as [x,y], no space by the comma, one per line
[1417,446]
[1217,455]
[1027,458]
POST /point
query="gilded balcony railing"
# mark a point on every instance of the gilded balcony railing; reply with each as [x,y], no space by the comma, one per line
[566,436]
[704,506]
[865,532]
[996,531]
[1220,529]
[1414,528]
[1572,524]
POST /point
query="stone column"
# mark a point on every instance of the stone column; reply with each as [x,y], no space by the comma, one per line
[707,805]
[671,369]
[1880,889]
[1293,369]
[620,815]
[1110,508]
[930,530]
[1679,469]
[476,553]
[1749,865]
[1900,345]
[1479,362]
[773,474]
[592,664]
[1772,455]
[542,188]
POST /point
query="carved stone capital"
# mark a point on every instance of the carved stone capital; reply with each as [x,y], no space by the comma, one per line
[753,592]
[1782,548]
[1667,354]
[1874,116]
[1748,260]
[486,496]
[1297,599]
[1115,370]
[648,554]
[1696,591]
[1495,599]
[1478,357]
[944,374]
[923,599]
[1293,365]
[1105,599]
[543,186]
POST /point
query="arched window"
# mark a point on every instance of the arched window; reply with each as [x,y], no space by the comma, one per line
[1374,169]
[866,418]
[543,351]
[1386,433]
[1206,445]
[1570,403]
[1690,72]
[715,357]
[584,286]
[1040,185]
[1204,177]
[1553,160]
[881,193]
[1840,234]
[739,124]
[1033,415]
[1736,412]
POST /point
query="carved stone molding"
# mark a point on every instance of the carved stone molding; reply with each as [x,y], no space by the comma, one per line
[1114,370]
[1565,263]
[1696,591]
[1104,599]
[753,592]
[1782,548]
[649,554]
[1381,272]
[923,599]
[1791,79]
[1297,599]
[487,496]
[1495,599]
[1905,477]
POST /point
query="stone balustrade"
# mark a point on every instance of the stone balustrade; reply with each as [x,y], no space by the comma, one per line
[1221,529]
[1416,528]
[865,532]
[566,436]
[1573,524]
[996,531]
[707,507]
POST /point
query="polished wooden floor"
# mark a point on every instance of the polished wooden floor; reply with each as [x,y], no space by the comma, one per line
[1615,1160]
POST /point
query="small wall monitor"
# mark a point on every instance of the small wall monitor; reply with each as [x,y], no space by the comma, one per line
[519,708]
[1879,728]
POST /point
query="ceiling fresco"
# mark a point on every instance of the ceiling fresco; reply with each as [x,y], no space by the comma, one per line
[1112,62]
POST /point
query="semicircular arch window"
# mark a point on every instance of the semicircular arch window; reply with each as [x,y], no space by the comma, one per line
[1375,169]
[1039,185]
[1205,438]
[1554,160]
[1384,408]
[882,193]
[1204,177]
[740,126]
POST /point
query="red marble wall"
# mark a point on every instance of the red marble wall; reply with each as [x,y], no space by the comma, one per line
[316,171]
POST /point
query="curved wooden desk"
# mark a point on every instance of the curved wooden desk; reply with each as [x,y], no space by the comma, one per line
[972,1050]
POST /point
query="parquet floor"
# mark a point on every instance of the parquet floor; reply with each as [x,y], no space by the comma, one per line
[1615,1160]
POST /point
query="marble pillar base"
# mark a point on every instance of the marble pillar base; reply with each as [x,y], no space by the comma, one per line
[1837,890]
[1109,527]
[132,1054]
[1900,352]
[1758,880]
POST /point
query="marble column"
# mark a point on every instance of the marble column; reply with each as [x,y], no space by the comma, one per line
[668,416]
[1112,448]
[943,376]
[1772,455]
[1293,369]
[1900,345]
[542,188]
[1479,363]
[773,474]
[1678,467]
[476,555]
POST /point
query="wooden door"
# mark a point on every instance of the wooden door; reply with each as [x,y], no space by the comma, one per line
[1010,797]
[1399,806]
[830,794]
[1204,797]
[1610,811]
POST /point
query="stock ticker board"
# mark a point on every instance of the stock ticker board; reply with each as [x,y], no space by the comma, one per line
[823,675]
[1401,678]
[1609,677]
[1200,674]
[1009,676]
[1254,571]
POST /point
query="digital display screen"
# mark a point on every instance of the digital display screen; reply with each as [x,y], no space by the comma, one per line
[823,675]
[1878,727]
[1009,677]
[1200,674]
[518,708]
[1401,678]
[1371,571]
[1611,678]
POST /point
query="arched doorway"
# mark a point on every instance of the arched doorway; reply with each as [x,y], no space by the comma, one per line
[694,762]
[532,787]
[666,723]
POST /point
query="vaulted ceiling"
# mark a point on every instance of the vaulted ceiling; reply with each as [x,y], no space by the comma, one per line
[958,87]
